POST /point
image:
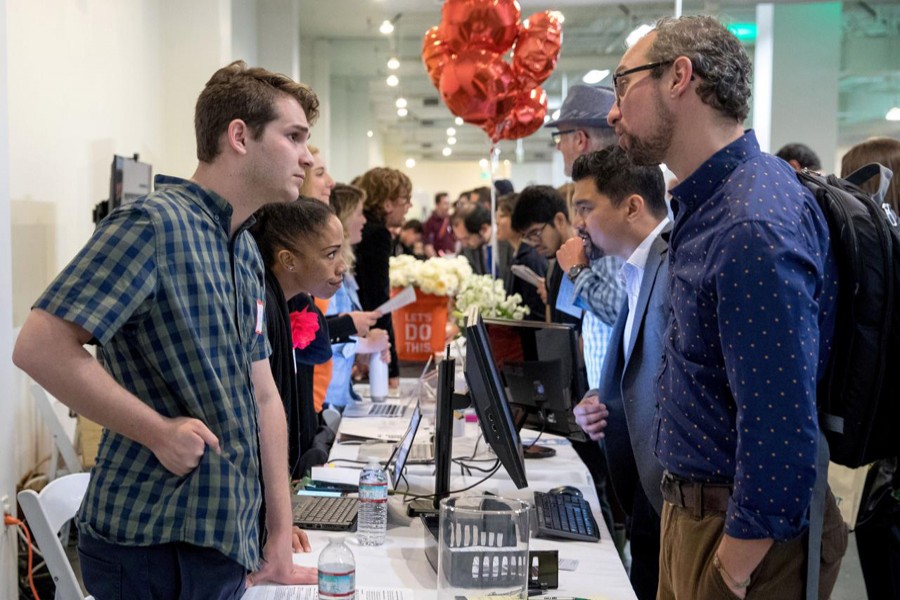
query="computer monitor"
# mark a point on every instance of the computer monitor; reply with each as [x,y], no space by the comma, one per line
[541,370]
[488,396]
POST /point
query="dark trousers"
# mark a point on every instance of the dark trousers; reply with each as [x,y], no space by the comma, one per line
[162,572]
[643,530]
[689,543]
[878,545]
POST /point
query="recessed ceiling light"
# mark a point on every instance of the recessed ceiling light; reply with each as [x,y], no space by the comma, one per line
[410,163]
[458,120]
[506,162]
[392,81]
[451,141]
[370,133]
[483,163]
[402,112]
[447,151]
[595,76]
[386,28]
[451,132]
[893,114]
[393,63]
[400,103]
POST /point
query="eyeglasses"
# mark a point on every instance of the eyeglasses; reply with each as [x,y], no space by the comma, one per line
[557,135]
[617,77]
[535,234]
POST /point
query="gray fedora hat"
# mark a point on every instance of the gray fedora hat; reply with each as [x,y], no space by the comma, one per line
[585,106]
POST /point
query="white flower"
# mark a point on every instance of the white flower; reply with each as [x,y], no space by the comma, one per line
[490,296]
[439,276]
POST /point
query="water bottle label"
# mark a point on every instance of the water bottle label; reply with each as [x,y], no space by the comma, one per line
[337,584]
[373,492]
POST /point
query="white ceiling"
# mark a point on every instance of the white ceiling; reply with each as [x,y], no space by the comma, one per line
[594,34]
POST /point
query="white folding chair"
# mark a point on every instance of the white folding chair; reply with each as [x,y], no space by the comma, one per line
[46,513]
[62,445]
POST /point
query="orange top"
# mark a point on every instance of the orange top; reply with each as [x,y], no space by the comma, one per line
[321,373]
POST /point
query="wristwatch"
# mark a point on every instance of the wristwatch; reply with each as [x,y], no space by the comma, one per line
[575,271]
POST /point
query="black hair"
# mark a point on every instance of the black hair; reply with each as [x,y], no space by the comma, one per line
[439,195]
[279,225]
[415,225]
[538,204]
[803,154]
[477,218]
[507,203]
[616,177]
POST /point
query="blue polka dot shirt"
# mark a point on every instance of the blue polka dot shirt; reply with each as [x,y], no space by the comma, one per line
[753,285]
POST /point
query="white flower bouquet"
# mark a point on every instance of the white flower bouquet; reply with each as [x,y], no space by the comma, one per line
[439,276]
[490,296]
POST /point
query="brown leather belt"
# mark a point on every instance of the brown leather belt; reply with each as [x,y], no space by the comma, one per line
[699,498]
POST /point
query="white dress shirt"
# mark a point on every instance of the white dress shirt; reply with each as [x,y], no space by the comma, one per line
[633,274]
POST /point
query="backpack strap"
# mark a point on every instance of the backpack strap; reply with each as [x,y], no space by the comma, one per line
[864,174]
[817,521]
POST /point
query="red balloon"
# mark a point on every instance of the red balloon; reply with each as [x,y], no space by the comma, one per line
[435,55]
[480,24]
[478,86]
[537,48]
[526,116]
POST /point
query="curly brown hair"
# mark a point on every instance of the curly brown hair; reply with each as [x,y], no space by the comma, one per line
[381,185]
[249,94]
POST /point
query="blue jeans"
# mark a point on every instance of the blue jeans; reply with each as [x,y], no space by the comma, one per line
[164,571]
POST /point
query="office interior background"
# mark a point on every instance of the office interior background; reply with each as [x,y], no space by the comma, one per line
[82,80]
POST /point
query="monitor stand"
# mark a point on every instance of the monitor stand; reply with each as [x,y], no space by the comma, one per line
[537,451]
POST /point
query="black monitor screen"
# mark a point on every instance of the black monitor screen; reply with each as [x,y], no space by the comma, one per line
[541,371]
[488,395]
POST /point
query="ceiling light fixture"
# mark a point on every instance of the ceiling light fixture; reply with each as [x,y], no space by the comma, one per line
[458,120]
[400,103]
[393,63]
[893,114]
[451,132]
[392,81]
[595,76]
[387,27]
[402,112]
[447,151]
[410,163]
[555,114]
[451,141]
[370,133]
[483,163]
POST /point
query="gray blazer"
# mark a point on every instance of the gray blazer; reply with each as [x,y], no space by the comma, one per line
[628,384]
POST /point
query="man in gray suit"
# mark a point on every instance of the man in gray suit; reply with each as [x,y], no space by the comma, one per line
[621,209]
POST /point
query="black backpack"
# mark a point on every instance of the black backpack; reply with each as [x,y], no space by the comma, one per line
[859,395]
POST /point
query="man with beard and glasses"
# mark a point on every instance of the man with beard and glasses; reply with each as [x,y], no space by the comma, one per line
[752,287]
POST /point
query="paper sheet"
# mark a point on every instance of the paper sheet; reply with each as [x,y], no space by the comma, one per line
[310,592]
[407,296]
[526,274]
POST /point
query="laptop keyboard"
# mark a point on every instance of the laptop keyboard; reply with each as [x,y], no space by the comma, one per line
[325,512]
[386,410]
[565,516]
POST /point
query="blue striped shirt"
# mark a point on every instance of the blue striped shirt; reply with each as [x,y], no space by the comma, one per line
[174,304]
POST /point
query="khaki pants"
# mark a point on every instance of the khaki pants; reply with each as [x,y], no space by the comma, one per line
[686,571]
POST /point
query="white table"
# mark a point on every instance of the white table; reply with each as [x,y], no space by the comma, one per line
[401,561]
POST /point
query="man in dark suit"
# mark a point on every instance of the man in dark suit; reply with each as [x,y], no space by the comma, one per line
[621,209]
[476,245]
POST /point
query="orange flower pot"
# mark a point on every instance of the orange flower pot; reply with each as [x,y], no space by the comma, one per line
[420,327]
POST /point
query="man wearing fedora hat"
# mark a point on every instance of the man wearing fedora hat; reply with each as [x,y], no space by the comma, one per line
[580,129]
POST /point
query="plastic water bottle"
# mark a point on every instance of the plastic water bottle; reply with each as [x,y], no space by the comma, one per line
[371,522]
[378,378]
[337,571]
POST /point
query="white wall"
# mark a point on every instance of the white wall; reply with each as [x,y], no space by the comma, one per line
[8,426]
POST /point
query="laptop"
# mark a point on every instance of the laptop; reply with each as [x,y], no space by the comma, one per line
[390,408]
[407,450]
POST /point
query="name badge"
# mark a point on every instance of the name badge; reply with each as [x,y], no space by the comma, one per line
[260,311]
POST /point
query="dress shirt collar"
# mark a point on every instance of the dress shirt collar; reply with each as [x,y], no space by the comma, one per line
[638,258]
[702,183]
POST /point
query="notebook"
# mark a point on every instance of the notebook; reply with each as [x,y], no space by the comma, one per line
[332,513]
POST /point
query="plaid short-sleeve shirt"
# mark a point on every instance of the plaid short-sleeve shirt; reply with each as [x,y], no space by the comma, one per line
[175,305]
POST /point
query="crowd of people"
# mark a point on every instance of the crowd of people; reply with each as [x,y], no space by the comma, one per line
[229,314]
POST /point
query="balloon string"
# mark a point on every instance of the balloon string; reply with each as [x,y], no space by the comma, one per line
[494,162]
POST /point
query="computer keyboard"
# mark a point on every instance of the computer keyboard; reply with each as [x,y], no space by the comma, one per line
[387,410]
[565,516]
[325,512]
